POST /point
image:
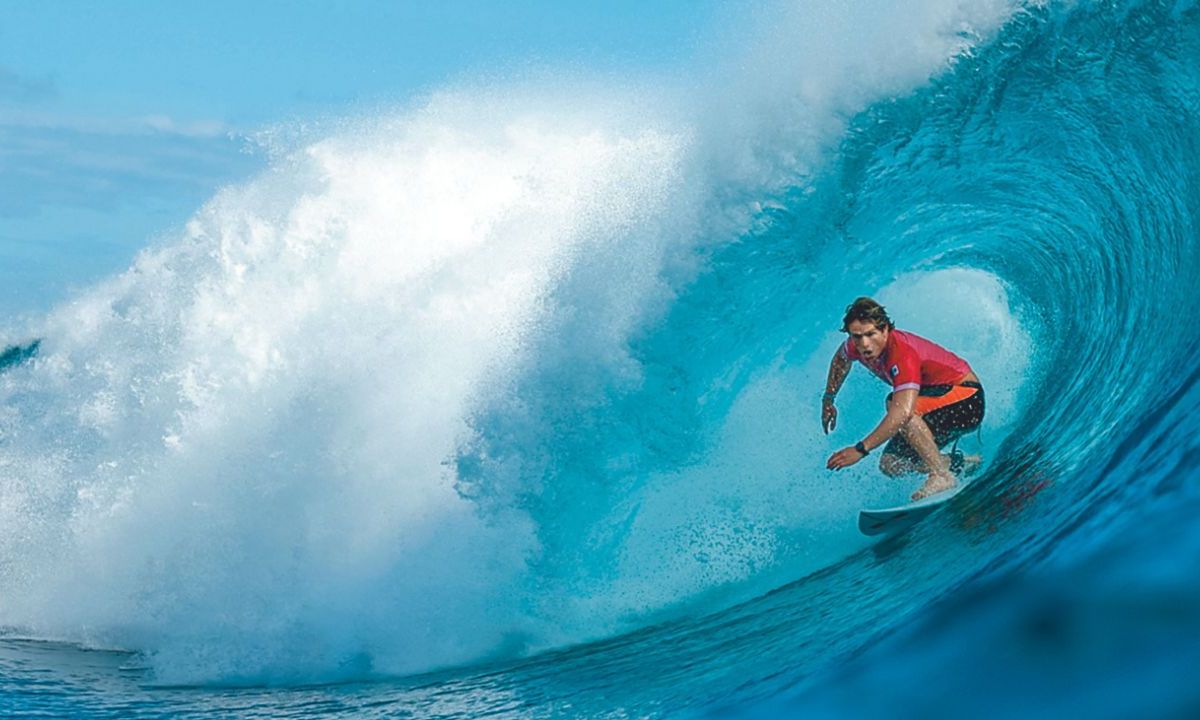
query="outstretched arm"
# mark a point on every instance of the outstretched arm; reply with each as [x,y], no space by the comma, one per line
[839,366]
[900,410]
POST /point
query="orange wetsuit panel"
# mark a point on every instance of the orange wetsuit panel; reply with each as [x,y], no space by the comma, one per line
[926,404]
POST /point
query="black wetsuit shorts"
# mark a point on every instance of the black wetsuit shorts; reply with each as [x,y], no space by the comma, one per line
[947,422]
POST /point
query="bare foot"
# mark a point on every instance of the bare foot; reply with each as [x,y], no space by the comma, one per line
[934,484]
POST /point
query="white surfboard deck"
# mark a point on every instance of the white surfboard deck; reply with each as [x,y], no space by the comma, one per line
[893,520]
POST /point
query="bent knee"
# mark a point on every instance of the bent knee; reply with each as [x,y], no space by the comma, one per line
[912,424]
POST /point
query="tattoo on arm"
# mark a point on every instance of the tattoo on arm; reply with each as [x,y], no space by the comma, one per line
[839,367]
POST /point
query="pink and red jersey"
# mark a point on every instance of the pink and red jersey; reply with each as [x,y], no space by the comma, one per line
[910,361]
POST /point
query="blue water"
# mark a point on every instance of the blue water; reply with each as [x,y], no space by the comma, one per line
[506,404]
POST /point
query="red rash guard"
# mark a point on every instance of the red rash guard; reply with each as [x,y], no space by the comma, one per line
[910,362]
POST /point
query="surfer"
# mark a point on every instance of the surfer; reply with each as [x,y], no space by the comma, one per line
[936,398]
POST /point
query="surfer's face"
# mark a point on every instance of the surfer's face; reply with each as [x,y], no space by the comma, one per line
[869,340]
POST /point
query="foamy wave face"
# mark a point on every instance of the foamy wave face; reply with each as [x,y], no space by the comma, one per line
[235,451]
[246,455]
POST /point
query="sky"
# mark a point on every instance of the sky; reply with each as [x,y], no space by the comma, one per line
[118,119]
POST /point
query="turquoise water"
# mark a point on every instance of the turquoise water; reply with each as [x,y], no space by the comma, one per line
[507,405]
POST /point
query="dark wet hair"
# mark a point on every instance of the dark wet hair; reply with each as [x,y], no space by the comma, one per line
[864,309]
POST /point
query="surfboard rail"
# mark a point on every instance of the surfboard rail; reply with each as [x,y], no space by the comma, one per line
[896,519]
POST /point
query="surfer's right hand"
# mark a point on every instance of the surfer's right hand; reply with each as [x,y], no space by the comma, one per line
[828,416]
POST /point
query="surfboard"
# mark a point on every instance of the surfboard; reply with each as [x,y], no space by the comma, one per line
[894,519]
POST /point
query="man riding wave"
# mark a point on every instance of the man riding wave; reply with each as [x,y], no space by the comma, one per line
[936,398]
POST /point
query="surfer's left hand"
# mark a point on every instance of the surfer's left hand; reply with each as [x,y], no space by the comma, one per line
[843,458]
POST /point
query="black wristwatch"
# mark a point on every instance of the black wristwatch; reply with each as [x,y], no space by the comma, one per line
[861,448]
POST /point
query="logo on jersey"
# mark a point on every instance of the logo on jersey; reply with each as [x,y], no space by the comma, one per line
[894,371]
